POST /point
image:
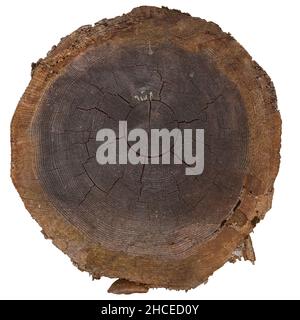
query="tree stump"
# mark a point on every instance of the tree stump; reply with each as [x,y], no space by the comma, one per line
[150,225]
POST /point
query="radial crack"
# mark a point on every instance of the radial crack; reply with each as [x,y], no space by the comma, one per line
[211,102]
[85,196]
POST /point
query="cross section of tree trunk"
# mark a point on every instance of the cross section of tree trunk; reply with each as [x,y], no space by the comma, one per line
[151,225]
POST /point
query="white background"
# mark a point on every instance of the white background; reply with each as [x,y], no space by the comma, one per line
[32,268]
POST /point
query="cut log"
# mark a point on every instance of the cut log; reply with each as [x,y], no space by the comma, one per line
[151,225]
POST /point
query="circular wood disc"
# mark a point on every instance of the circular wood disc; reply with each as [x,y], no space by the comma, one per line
[150,224]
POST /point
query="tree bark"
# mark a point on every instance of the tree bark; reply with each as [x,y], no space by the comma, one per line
[150,225]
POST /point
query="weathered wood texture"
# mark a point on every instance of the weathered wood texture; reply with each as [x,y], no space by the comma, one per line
[149,224]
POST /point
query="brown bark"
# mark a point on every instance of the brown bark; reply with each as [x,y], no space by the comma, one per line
[149,224]
[122,286]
